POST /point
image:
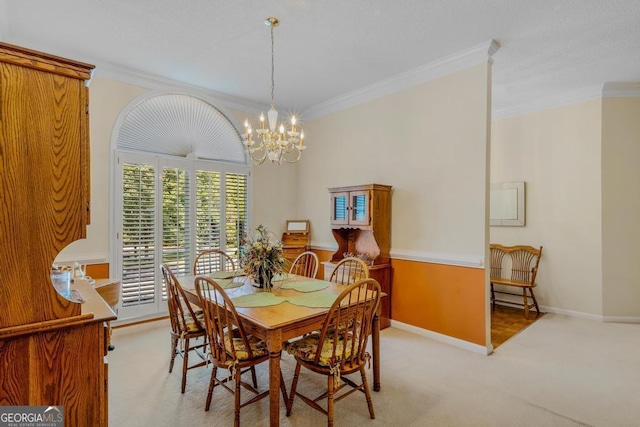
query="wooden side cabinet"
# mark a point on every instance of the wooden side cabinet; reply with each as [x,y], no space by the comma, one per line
[295,239]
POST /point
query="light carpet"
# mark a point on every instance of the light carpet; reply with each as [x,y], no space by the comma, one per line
[561,371]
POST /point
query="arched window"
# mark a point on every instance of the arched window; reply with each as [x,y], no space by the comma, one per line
[182,186]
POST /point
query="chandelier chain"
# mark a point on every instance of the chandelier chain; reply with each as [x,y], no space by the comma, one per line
[273,84]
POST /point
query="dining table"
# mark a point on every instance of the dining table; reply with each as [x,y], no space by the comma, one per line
[300,305]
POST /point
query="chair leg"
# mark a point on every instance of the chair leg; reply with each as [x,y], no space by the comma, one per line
[236,420]
[174,351]
[212,383]
[253,377]
[533,297]
[367,392]
[283,389]
[526,303]
[330,391]
[493,298]
[292,393]
[185,363]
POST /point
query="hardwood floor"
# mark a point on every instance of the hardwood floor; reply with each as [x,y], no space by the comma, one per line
[507,322]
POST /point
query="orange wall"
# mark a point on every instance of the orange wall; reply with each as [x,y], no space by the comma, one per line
[98,271]
[446,299]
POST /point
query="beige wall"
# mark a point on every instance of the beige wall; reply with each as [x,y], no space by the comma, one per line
[107,98]
[557,153]
[621,208]
[428,142]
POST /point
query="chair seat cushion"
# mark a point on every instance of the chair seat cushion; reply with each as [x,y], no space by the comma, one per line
[306,348]
[258,347]
[193,326]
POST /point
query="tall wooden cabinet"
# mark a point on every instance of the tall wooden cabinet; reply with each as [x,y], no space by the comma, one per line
[361,224]
[52,350]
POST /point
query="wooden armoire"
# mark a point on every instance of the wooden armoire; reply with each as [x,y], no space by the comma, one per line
[52,350]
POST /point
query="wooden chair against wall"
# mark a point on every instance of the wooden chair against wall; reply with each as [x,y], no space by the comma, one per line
[305,264]
[340,348]
[230,347]
[212,260]
[524,268]
[186,325]
[349,270]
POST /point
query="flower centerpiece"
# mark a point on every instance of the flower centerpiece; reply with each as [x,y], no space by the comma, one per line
[261,257]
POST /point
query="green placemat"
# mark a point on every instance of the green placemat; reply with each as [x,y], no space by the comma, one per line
[281,277]
[260,299]
[226,284]
[229,283]
[313,300]
[306,286]
[225,274]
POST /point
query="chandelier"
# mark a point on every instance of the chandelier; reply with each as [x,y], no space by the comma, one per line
[275,142]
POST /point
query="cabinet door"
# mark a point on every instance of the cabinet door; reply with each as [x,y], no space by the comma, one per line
[340,208]
[359,213]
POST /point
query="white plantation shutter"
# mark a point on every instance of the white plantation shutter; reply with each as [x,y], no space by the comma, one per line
[138,234]
[236,212]
[181,187]
[208,211]
[176,221]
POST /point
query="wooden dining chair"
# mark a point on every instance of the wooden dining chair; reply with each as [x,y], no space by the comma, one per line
[349,270]
[524,261]
[186,324]
[339,349]
[230,347]
[305,264]
[212,260]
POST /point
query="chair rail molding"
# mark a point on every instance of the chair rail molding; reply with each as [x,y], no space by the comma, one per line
[473,261]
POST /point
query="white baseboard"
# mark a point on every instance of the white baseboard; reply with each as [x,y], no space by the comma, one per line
[456,342]
[134,320]
[571,313]
[620,319]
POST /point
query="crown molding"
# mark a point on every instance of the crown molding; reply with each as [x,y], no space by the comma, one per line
[152,81]
[521,107]
[447,65]
[621,90]
[110,70]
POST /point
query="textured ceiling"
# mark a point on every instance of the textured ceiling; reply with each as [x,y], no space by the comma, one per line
[325,49]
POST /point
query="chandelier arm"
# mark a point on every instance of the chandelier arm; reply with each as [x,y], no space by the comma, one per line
[294,160]
[257,159]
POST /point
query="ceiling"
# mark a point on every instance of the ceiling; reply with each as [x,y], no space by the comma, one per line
[550,49]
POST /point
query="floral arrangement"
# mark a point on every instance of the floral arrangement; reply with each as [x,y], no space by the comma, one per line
[261,257]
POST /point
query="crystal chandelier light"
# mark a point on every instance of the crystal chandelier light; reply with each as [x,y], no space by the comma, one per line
[275,142]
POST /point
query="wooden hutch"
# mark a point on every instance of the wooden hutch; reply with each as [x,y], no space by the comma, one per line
[361,225]
[52,350]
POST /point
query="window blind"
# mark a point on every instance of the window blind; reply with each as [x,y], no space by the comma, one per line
[138,234]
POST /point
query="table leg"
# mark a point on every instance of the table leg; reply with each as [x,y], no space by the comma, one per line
[274,345]
[375,343]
